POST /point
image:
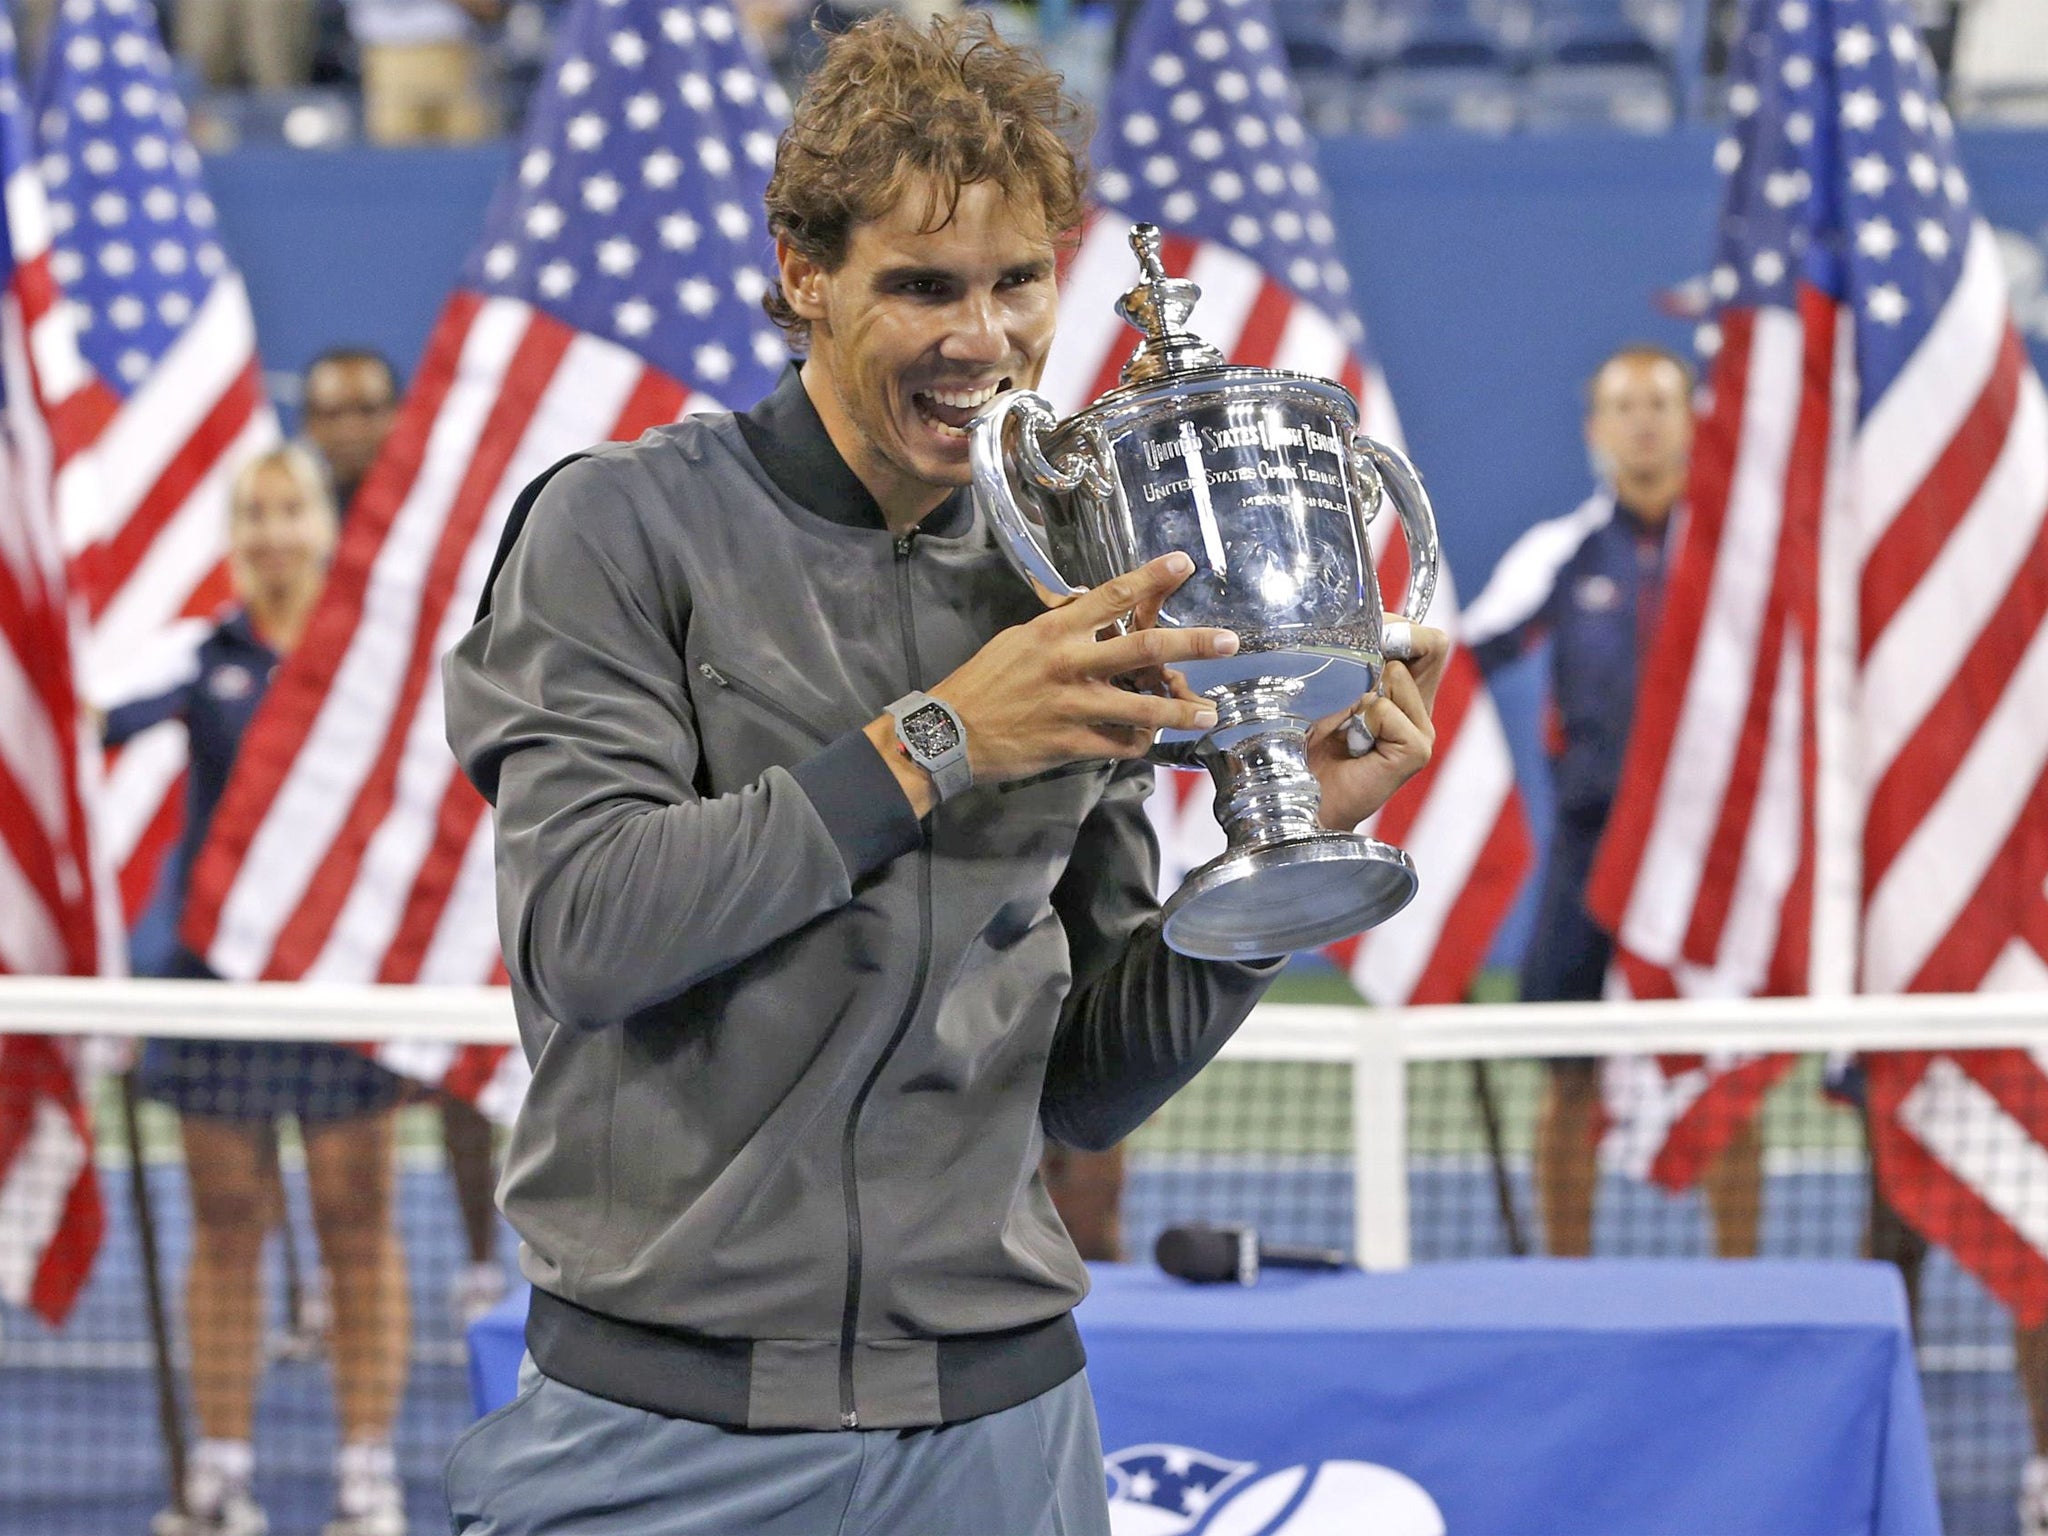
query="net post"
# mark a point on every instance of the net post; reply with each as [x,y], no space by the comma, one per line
[1379,1141]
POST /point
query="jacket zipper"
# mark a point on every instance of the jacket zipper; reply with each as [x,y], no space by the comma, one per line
[849,1415]
[755,695]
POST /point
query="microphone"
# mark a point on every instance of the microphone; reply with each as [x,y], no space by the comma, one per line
[1212,1255]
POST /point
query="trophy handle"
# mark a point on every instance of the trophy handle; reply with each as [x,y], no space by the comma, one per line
[1377,464]
[992,481]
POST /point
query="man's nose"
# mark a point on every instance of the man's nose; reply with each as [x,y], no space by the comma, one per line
[977,332]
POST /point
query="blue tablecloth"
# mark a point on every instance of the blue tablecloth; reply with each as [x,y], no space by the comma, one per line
[1527,1397]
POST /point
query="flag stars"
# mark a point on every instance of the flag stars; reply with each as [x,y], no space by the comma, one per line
[586,131]
[1273,82]
[661,169]
[1797,71]
[1186,106]
[732,221]
[1254,36]
[715,157]
[1232,86]
[1205,143]
[1855,47]
[1335,278]
[1288,130]
[1245,230]
[1251,132]
[131,49]
[1727,156]
[628,49]
[760,147]
[1913,110]
[1320,229]
[696,92]
[1743,99]
[151,153]
[1724,282]
[83,54]
[1923,172]
[174,309]
[1784,188]
[739,85]
[1211,44]
[1861,110]
[1877,239]
[1305,180]
[101,158]
[500,261]
[1179,206]
[601,193]
[677,27]
[1304,273]
[643,111]
[110,208]
[1269,178]
[768,349]
[1886,304]
[1162,170]
[1799,127]
[211,260]
[1167,71]
[713,362]
[574,77]
[1870,175]
[1956,184]
[750,284]
[1226,186]
[139,99]
[1114,187]
[717,23]
[679,232]
[544,221]
[556,279]
[67,265]
[1934,239]
[56,170]
[161,204]
[696,296]
[1287,225]
[133,365]
[199,209]
[1905,44]
[168,257]
[1768,268]
[91,105]
[1191,13]
[635,317]
[127,312]
[1141,129]
[617,256]
[1793,15]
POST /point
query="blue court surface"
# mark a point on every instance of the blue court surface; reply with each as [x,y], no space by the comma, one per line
[80,1449]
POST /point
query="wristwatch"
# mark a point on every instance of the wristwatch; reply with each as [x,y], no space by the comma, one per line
[932,737]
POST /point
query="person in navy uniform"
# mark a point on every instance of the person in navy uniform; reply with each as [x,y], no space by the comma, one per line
[281,533]
[1592,581]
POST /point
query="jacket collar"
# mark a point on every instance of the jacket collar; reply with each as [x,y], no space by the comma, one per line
[798,454]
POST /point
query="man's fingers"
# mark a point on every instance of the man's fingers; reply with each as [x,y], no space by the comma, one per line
[1146,650]
[1405,693]
[1119,707]
[1396,733]
[1150,584]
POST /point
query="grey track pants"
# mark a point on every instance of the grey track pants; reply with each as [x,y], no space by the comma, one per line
[559,1461]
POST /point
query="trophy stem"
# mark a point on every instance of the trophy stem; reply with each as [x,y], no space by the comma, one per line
[1257,755]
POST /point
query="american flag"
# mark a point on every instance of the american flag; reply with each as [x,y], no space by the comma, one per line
[1837,778]
[166,330]
[56,911]
[1174,1485]
[617,286]
[1202,135]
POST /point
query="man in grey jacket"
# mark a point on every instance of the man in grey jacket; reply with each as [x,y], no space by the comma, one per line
[825,886]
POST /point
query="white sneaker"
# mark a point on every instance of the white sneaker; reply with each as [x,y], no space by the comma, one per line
[2034,1497]
[233,1514]
[476,1290]
[369,1499]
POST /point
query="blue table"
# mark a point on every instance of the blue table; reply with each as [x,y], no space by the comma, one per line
[1501,1398]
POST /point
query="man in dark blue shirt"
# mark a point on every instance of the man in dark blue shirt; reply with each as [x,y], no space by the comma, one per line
[1592,581]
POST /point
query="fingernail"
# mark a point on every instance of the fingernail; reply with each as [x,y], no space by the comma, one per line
[1204,719]
[1226,644]
[1179,563]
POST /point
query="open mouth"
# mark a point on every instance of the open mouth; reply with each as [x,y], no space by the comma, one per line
[951,411]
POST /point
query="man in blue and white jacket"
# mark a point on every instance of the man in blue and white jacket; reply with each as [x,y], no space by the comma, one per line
[1592,582]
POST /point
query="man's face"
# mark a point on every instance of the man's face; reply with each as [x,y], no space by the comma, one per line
[1640,424]
[349,407]
[917,329]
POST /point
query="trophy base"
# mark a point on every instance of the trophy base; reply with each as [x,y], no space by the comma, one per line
[1259,902]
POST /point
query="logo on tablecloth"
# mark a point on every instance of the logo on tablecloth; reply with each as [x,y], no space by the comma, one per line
[1175,1490]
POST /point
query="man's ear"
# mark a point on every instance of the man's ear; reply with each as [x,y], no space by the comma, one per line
[803,281]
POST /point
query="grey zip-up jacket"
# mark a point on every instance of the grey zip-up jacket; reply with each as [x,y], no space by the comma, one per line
[794,1051]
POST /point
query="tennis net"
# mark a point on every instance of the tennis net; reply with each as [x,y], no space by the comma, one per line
[1400,1136]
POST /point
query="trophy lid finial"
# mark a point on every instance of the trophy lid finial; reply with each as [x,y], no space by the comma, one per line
[1159,306]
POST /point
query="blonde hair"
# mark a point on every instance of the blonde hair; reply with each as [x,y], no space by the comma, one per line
[301,463]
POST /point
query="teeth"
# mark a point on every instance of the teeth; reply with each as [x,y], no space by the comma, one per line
[965,400]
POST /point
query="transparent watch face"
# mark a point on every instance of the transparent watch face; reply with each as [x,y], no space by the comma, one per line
[930,731]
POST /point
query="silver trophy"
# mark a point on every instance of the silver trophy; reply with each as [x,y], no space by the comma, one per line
[1263,478]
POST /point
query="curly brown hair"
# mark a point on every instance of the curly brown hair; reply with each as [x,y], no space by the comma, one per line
[892,103]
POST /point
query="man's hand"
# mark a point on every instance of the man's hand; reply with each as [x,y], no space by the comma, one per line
[1358,782]
[1045,694]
